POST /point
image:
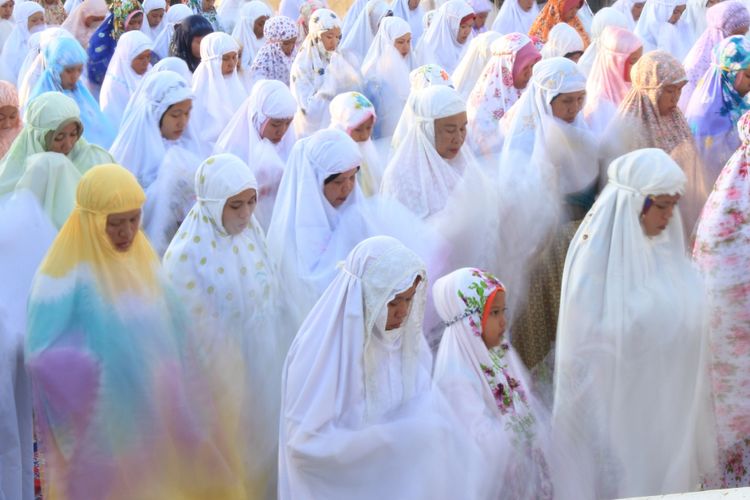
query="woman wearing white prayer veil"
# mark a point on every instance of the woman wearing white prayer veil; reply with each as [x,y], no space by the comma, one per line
[420,78]
[632,341]
[410,11]
[248,32]
[224,276]
[34,64]
[218,89]
[662,26]
[29,19]
[153,18]
[549,162]
[516,16]
[356,43]
[355,115]
[158,144]
[357,413]
[319,73]
[6,21]
[473,62]
[563,41]
[176,14]
[695,16]
[445,41]
[631,9]
[608,16]
[259,134]
[386,71]
[131,60]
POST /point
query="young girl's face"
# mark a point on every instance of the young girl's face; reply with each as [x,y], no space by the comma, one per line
[403,44]
[363,131]
[287,46]
[154,17]
[35,19]
[237,211]
[275,128]
[141,62]
[208,5]
[135,22]
[64,139]
[494,326]
[229,63]
[331,39]
[195,47]
[175,119]
[70,75]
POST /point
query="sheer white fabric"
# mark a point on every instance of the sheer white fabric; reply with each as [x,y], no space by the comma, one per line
[386,75]
[412,16]
[234,296]
[608,16]
[229,12]
[658,33]
[626,7]
[121,80]
[148,6]
[15,47]
[420,78]
[695,17]
[513,19]
[270,99]
[317,75]
[631,357]
[562,39]
[357,409]
[440,45]
[174,16]
[244,34]
[164,167]
[25,236]
[473,62]
[217,96]
[348,111]
[357,41]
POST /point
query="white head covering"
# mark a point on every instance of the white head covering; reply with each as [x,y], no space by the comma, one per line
[229,12]
[343,373]
[629,302]
[139,145]
[303,220]
[174,16]
[317,75]
[386,74]
[242,137]
[357,41]
[217,96]
[230,287]
[473,62]
[413,17]
[120,80]
[626,8]
[513,19]
[439,44]
[608,16]
[695,17]
[148,6]
[348,111]
[243,30]
[420,78]
[15,48]
[175,64]
[494,94]
[531,128]
[417,176]
[658,33]
[562,39]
